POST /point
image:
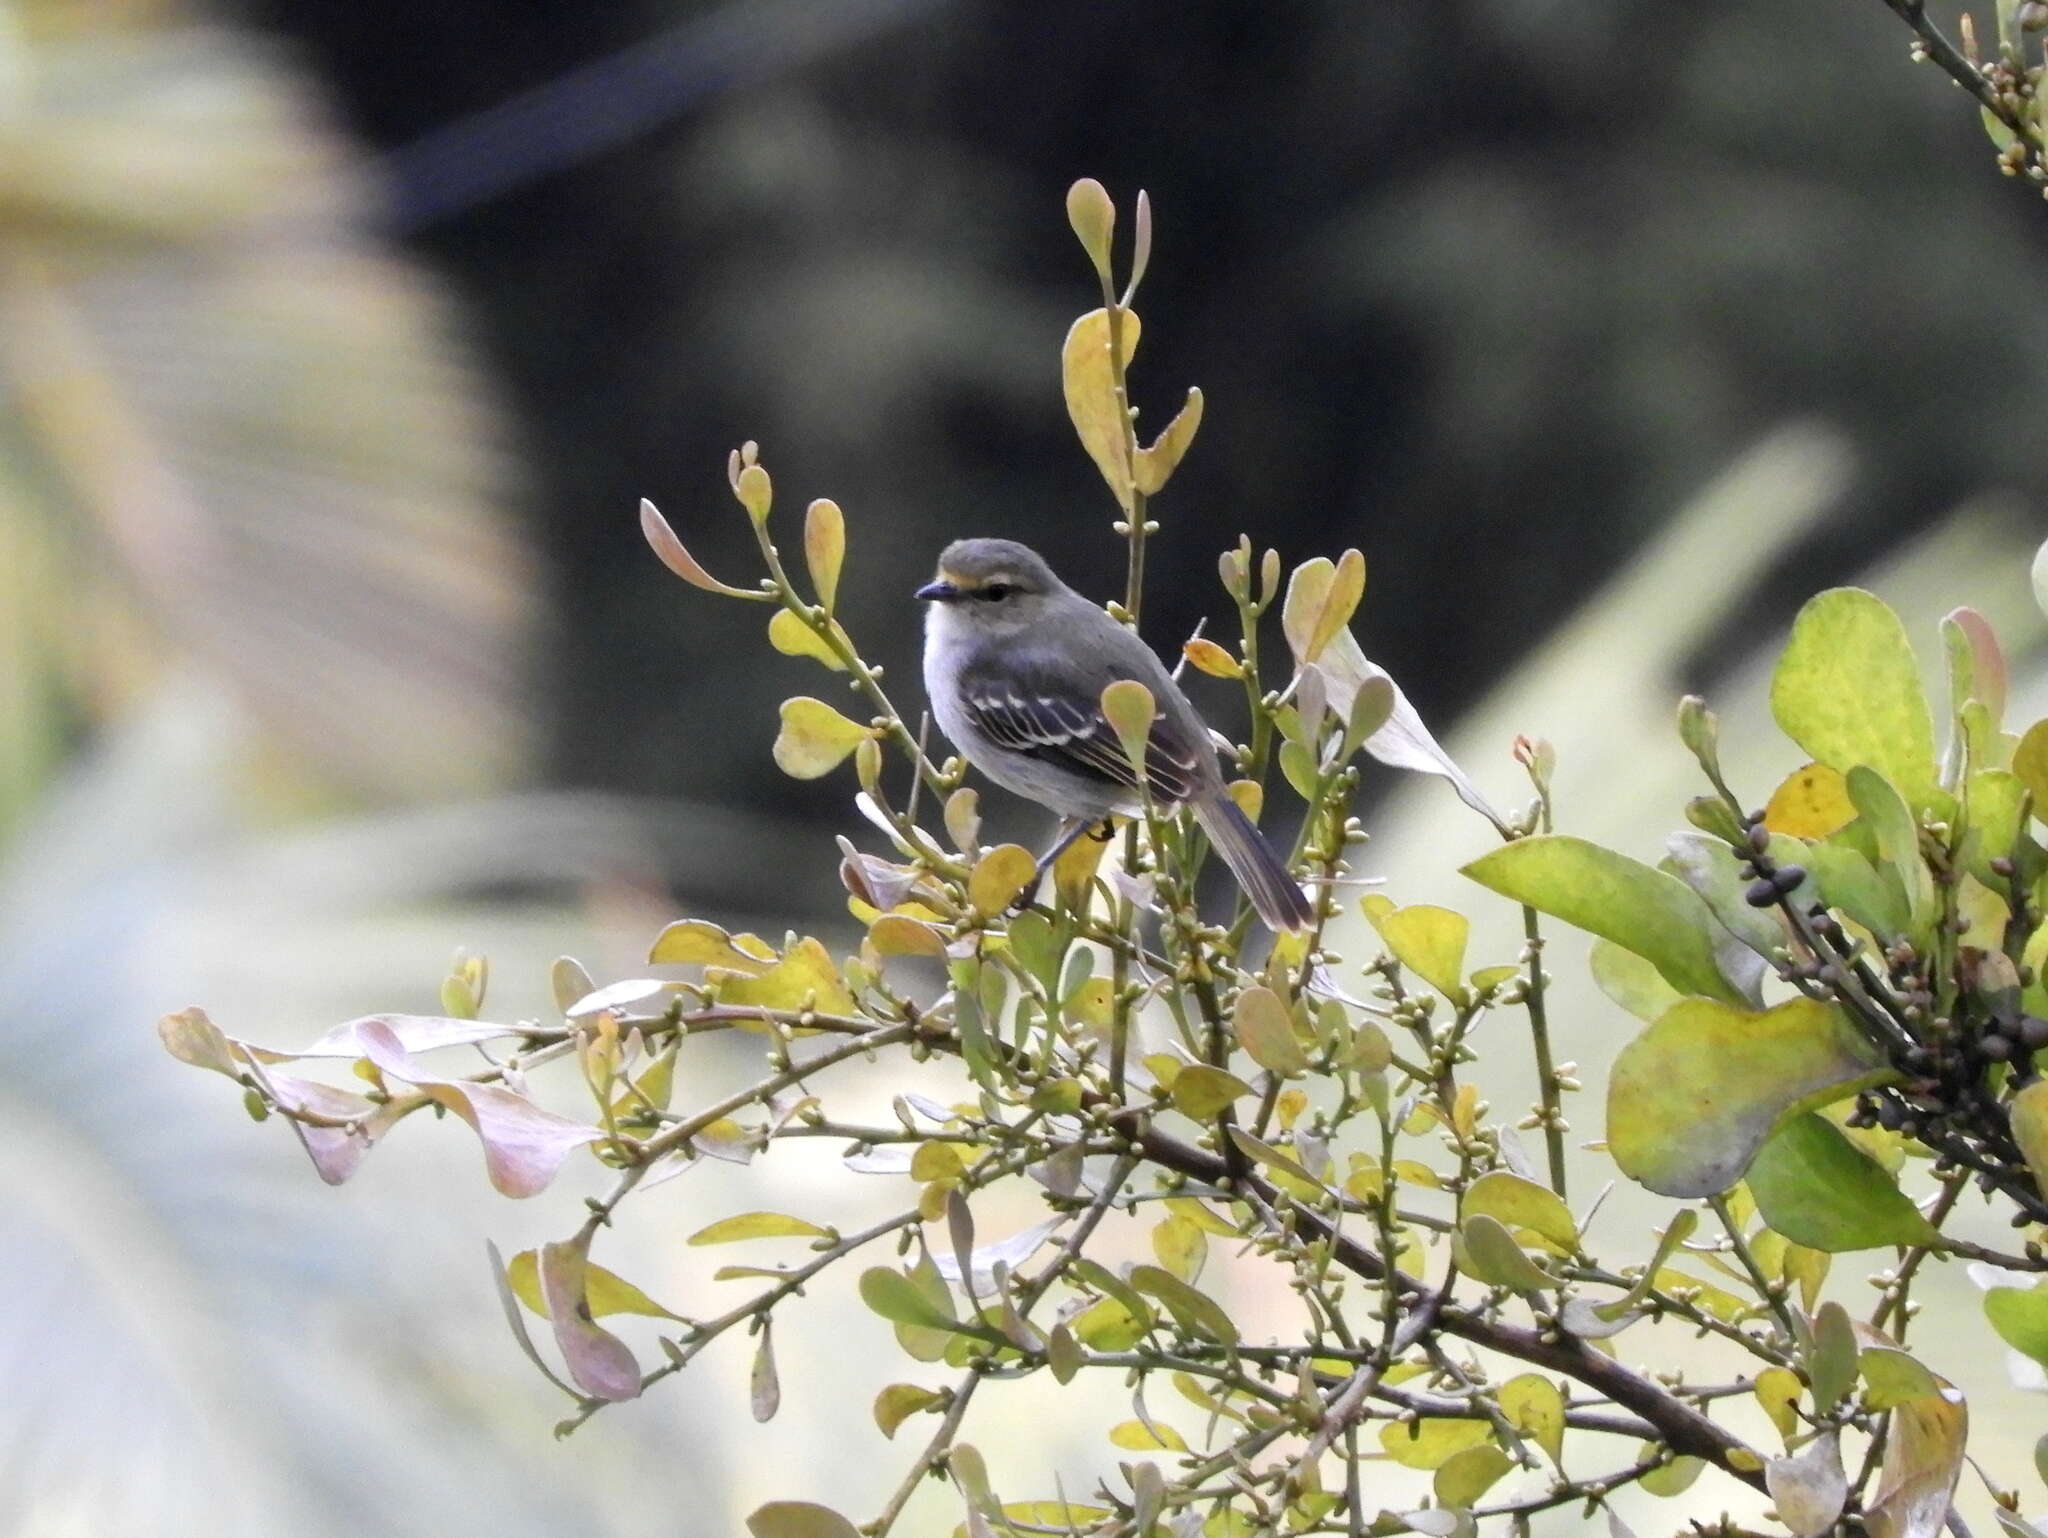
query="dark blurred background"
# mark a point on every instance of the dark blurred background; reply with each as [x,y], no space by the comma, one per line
[1486,289]
[340,338]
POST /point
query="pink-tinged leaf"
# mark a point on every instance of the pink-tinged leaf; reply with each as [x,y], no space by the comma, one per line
[192,1038]
[599,1362]
[1992,680]
[662,540]
[507,1296]
[765,1387]
[335,1151]
[413,1033]
[524,1145]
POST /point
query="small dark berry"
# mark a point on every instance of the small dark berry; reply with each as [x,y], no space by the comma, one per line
[1760,894]
[2001,865]
[1788,877]
[1759,837]
[1755,817]
[1995,1047]
[2033,1033]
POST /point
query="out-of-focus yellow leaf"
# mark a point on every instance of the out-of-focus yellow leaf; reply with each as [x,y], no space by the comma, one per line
[1212,659]
[999,878]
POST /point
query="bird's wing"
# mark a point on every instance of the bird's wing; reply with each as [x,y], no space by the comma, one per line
[1030,711]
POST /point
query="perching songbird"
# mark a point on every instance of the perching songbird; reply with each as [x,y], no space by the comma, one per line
[1015,663]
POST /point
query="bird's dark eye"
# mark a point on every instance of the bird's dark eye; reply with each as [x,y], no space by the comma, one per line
[995,592]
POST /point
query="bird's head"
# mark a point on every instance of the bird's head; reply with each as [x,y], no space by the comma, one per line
[992,587]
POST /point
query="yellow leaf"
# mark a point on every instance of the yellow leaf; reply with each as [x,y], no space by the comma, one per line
[756,1225]
[605,1292]
[999,878]
[814,739]
[696,943]
[1092,216]
[1073,873]
[2029,1118]
[1156,464]
[896,934]
[1131,710]
[793,638]
[755,492]
[1212,659]
[1201,1091]
[1137,1437]
[1534,1407]
[1778,1389]
[1180,1246]
[937,1161]
[1092,401]
[1432,1442]
[1321,598]
[805,978]
[1430,942]
[1810,803]
[899,1401]
[824,548]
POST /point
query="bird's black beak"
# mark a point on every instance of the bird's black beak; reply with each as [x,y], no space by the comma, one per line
[938,592]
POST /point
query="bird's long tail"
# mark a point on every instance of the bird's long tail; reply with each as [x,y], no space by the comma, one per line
[1251,859]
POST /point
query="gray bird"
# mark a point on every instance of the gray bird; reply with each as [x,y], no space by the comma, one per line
[1015,663]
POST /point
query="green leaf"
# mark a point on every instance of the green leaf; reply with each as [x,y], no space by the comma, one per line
[899,1401]
[1201,1091]
[799,1519]
[1521,1203]
[1832,1367]
[1992,801]
[1610,895]
[1491,1254]
[1192,1310]
[1265,1029]
[1892,824]
[1673,1478]
[814,739]
[1818,1189]
[2020,1316]
[2029,1121]
[1630,981]
[1468,1474]
[1848,691]
[757,1225]
[1848,881]
[900,1300]
[1691,1099]
[2030,763]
